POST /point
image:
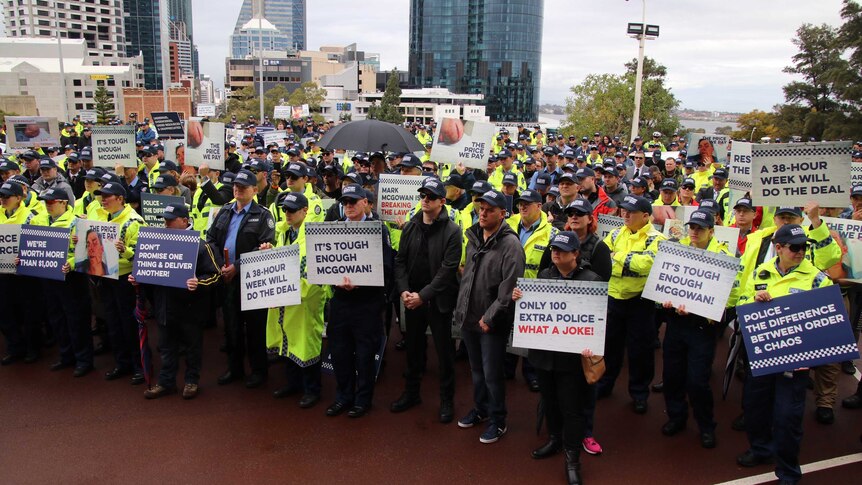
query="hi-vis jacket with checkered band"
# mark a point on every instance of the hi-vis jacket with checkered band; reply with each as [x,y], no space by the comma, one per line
[632,255]
[536,243]
[766,277]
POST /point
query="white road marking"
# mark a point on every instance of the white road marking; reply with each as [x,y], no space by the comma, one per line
[809,468]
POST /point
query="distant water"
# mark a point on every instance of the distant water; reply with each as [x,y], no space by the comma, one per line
[553,121]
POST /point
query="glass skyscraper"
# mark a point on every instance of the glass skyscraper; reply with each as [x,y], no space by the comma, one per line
[143,35]
[489,47]
[288,16]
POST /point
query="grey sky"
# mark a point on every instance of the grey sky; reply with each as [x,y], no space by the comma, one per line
[724,56]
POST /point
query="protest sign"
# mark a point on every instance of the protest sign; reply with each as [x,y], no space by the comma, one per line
[165,257]
[153,206]
[855,173]
[205,110]
[848,234]
[796,173]
[270,278]
[95,252]
[805,329]
[606,224]
[716,146]
[25,131]
[88,116]
[43,251]
[335,250]
[171,149]
[397,195]
[276,136]
[113,145]
[699,279]
[561,315]
[169,124]
[297,112]
[205,144]
[739,168]
[9,236]
[459,141]
[282,112]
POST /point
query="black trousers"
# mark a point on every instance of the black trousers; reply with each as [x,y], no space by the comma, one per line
[631,327]
[418,321]
[118,301]
[179,333]
[305,378]
[18,321]
[688,353]
[246,334]
[564,396]
[68,309]
[354,332]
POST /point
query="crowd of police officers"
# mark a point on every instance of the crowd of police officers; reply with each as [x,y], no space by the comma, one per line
[455,259]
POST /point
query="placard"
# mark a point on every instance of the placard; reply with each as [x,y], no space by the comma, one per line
[282,112]
[561,315]
[42,251]
[9,236]
[699,279]
[397,196]
[205,144]
[153,206]
[796,173]
[855,173]
[718,146]
[166,257]
[467,142]
[95,252]
[169,124]
[805,329]
[88,116]
[205,110]
[606,224]
[338,249]
[26,131]
[297,112]
[847,233]
[270,278]
[276,137]
[739,168]
[113,145]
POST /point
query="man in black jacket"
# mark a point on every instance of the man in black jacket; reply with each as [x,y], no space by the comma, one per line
[426,279]
[242,227]
[180,312]
[485,311]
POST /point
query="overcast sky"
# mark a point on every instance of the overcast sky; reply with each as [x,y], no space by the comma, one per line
[721,55]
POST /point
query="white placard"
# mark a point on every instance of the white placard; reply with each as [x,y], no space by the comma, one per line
[607,224]
[561,315]
[729,236]
[206,110]
[786,174]
[9,236]
[270,278]
[282,112]
[88,116]
[459,141]
[205,144]
[113,145]
[855,173]
[338,249]
[397,195]
[96,251]
[699,279]
[276,137]
[739,168]
[26,131]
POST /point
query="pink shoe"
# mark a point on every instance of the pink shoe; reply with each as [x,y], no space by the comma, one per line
[592,446]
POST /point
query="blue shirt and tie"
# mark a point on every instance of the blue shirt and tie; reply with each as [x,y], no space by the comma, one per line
[232,230]
[524,233]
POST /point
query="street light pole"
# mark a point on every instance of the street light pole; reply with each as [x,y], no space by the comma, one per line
[638,79]
[260,55]
[63,80]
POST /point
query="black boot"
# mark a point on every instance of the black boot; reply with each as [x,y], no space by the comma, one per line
[573,467]
[552,447]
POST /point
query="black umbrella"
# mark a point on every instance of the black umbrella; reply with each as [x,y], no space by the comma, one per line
[369,136]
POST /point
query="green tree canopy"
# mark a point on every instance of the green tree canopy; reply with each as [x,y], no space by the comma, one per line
[104,105]
[389,103]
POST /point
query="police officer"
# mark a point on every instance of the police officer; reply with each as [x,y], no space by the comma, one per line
[689,348]
[775,403]
[240,227]
[355,324]
[630,316]
[426,281]
[180,312]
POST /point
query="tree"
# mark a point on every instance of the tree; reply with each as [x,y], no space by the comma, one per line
[308,93]
[388,108]
[104,104]
[605,102]
[724,130]
[760,123]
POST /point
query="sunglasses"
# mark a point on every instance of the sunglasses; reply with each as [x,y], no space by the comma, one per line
[576,214]
[686,187]
[431,197]
[795,248]
[292,176]
[638,158]
[291,211]
[349,201]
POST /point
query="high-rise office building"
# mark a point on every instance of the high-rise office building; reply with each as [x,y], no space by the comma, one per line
[489,47]
[180,13]
[143,35]
[287,16]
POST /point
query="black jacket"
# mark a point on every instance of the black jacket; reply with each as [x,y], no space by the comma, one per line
[171,304]
[560,361]
[443,256]
[257,227]
[370,295]
[219,196]
[595,255]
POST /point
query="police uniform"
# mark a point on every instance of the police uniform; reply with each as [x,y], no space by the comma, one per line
[242,232]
